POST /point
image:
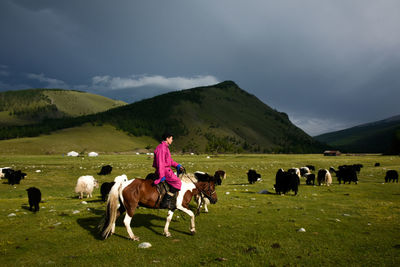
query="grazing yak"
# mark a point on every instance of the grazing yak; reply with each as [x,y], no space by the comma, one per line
[13,177]
[304,171]
[324,177]
[310,179]
[392,175]
[295,171]
[34,198]
[311,167]
[3,171]
[105,189]
[105,170]
[85,185]
[253,176]
[346,173]
[357,167]
[377,164]
[286,181]
[219,176]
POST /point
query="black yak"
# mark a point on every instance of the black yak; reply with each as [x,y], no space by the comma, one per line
[346,173]
[34,197]
[286,181]
[105,170]
[253,176]
[392,175]
[13,177]
[105,189]
[310,179]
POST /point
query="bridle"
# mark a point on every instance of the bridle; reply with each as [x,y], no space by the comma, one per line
[209,190]
[202,192]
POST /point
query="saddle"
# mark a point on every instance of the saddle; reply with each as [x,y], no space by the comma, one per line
[166,198]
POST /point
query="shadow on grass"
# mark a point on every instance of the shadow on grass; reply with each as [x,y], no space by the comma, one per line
[265,192]
[91,224]
[247,192]
[25,207]
[91,200]
[95,201]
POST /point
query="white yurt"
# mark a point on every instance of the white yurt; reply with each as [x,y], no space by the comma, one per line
[72,154]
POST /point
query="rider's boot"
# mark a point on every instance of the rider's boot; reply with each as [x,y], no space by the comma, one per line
[167,201]
[171,200]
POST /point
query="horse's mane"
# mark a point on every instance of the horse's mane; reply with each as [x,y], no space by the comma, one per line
[196,177]
[188,177]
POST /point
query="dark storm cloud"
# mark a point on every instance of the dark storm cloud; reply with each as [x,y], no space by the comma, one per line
[328,64]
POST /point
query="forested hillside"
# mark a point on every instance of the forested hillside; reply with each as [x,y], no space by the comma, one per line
[221,118]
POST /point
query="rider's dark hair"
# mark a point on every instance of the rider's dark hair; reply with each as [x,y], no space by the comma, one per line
[166,135]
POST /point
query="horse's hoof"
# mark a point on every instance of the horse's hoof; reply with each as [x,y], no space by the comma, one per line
[135,238]
[192,232]
[167,234]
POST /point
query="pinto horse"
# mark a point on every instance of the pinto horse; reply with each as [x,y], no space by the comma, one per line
[127,195]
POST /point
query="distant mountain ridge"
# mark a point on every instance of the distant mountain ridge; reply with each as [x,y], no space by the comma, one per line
[221,118]
[394,119]
[382,136]
[31,106]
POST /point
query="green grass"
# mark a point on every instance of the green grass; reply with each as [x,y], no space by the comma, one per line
[81,139]
[75,103]
[243,229]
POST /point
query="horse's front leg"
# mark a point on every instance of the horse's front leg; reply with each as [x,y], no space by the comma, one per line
[191,214]
[199,202]
[205,207]
[206,202]
[169,218]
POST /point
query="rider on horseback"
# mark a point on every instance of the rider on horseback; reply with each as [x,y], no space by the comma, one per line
[163,163]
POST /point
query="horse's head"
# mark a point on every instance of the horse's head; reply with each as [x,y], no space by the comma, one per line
[207,188]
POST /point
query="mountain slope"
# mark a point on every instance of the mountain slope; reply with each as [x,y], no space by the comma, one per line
[376,137]
[33,105]
[218,118]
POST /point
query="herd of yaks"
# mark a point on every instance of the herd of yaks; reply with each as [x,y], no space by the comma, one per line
[85,185]
[285,181]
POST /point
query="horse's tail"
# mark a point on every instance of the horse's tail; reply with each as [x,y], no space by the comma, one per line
[110,217]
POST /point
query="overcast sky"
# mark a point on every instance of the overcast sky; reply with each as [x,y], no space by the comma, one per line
[329,65]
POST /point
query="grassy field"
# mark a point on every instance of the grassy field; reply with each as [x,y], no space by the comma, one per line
[81,139]
[346,225]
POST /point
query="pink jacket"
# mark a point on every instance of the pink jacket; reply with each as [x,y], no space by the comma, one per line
[163,163]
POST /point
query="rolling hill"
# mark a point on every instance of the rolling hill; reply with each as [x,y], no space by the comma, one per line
[376,137]
[82,139]
[35,105]
[221,118]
